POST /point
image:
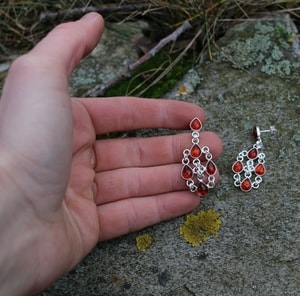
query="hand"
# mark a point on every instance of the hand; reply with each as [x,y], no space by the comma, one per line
[61,190]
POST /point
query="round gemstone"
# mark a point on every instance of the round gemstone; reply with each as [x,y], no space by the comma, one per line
[186,172]
[195,151]
[202,189]
[211,168]
[246,185]
[260,169]
[252,153]
[237,167]
[196,124]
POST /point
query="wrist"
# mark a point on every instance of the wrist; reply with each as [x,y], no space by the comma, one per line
[16,238]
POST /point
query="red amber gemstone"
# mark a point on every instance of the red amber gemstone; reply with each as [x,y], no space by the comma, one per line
[246,184]
[237,167]
[195,151]
[211,168]
[252,154]
[186,172]
[202,189]
[260,169]
[196,124]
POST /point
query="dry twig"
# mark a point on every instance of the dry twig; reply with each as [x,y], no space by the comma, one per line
[172,37]
[100,90]
[104,10]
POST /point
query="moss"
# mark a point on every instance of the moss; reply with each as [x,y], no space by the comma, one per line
[146,74]
[198,227]
[144,241]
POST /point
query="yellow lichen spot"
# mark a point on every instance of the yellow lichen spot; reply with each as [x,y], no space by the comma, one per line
[182,90]
[144,241]
[198,227]
[116,279]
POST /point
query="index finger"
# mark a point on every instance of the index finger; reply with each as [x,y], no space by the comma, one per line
[129,113]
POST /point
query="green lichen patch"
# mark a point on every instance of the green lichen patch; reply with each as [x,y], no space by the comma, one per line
[143,242]
[198,227]
[267,45]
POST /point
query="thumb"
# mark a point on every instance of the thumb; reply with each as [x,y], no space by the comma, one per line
[68,43]
[35,109]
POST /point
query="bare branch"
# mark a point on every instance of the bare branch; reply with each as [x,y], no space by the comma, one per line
[101,89]
[172,37]
[104,10]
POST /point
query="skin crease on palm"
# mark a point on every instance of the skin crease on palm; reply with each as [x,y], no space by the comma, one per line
[61,190]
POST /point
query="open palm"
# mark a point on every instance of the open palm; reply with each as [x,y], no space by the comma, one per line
[71,190]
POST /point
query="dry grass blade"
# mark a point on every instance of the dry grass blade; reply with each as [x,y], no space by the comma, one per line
[172,65]
[21,27]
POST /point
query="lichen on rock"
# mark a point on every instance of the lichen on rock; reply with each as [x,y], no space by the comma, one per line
[198,227]
[143,241]
[266,44]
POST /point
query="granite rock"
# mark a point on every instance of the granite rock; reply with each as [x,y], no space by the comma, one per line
[257,251]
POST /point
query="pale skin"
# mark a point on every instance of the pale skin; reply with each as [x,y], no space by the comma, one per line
[61,191]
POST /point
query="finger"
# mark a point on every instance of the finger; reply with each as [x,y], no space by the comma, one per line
[137,182]
[133,214]
[69,42]
[49,64]
[128,113]
[144,152]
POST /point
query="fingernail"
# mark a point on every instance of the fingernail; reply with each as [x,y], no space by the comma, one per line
[90,16]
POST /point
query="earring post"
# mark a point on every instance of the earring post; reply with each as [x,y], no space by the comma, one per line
[272,130]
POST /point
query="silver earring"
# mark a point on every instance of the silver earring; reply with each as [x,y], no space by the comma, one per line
[249,167]
[198,169]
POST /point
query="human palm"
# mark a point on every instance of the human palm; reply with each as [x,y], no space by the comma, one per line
[70,189]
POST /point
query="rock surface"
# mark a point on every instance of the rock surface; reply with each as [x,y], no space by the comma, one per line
[113,54]
[253,79]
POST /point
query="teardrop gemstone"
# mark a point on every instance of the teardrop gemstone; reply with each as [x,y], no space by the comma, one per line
[252,153]
[186,172]
[237,167]
[246,185]
[260,169]
[211,168]
[196,124]
[195,151]
[202,189]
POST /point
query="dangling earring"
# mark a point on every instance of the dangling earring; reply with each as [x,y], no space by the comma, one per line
[249,165]
[198,168]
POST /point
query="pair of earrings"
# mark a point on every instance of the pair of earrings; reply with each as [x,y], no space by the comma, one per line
[198,169]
